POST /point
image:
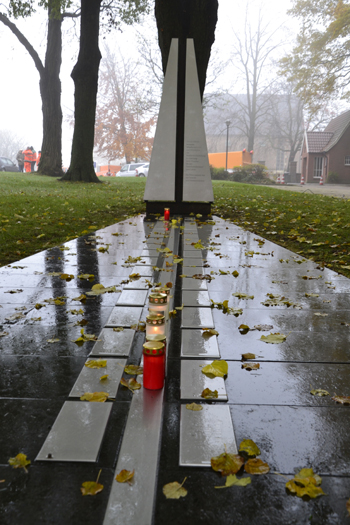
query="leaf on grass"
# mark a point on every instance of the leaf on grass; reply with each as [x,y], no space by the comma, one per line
[20,461]
[344,400]
[249,447]
[247,356]
[131,384]
[227,463]
[98,397]
[194,406]
[251,366]
[91,488]
[174,490]
[256,466]
[133,370]
[209,394]
[216,369]
[319,392]
[125,476]
[96,363]
[273,338]
[209,332]
[233,480]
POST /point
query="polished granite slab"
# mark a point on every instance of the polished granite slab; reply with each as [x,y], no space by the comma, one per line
[197,318]
[112,343]
[89,379]
[193,344]
[193,382]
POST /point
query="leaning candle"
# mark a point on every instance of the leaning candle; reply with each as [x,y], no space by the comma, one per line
[166,214]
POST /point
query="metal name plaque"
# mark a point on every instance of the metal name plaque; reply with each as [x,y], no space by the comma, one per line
[197,185]
[160,184]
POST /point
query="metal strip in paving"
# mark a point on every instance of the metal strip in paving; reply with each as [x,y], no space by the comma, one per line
[132,298]
[193,344]
[205,434]
[125,316]
[77,432]
[193,381]
[133,504]
[111,343]
[89,379]
[195,298]
[197,318]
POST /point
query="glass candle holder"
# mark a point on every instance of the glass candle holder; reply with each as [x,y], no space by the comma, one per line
[158,303]
[162,290]
[153,365]
[155,324]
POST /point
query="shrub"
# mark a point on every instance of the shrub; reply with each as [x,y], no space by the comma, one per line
[219,174]
[249,173]
[333,177]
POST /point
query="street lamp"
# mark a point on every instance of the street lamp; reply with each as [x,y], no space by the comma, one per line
[228,122]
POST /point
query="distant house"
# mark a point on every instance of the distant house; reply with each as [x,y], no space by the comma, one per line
[328,151]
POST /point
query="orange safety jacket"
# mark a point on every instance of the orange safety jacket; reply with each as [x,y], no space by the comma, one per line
[28,155]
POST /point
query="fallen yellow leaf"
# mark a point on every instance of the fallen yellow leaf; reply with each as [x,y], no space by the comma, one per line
[174,490]
[125,476]
[20,461]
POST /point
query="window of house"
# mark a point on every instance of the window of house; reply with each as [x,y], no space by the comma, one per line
[318,167]
[347,160]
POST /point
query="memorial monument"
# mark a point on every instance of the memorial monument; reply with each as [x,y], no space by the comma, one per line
[179,174]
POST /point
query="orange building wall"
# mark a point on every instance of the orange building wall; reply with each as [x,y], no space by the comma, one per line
[234,158]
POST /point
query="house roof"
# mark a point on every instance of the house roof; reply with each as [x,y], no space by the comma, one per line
[318,140]
[337,127]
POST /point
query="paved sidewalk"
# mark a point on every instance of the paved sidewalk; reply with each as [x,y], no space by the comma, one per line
[271,405]
[331,190]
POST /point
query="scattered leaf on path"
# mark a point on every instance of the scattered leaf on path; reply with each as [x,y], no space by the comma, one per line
[133,370]
[91,488]
[20,461]
[233,480]
[216,369]
[256,466]
[319,392]
[131,384]
[98,397]
[251,366]
[209,394]
[273,338]
[174,490]
[227,463]
[125,476]
[208,332]
[194,406]
[249,447]
[96,363]
[247,356]
[344,400]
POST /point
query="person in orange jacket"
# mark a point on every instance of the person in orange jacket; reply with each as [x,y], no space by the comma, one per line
[33,161]
[38,160]
[28,155]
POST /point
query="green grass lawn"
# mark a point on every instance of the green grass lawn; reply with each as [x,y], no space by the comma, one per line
[38,212]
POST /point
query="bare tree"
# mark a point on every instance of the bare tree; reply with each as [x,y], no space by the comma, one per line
[10,144]
[125,110]
[252,55]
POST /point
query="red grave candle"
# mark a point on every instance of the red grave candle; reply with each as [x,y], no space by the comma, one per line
[166,214]
[153,365]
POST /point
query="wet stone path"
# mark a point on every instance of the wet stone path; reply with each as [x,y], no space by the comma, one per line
[69,441]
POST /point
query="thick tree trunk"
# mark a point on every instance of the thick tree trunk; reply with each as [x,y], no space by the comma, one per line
[85,77]
[187,19]
[50,90]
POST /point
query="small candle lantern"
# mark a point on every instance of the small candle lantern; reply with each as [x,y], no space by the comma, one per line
[166,214]
[162,290]
[155,324]
[158,303]
[153,365]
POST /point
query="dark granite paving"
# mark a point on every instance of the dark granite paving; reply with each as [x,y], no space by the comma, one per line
[272,405]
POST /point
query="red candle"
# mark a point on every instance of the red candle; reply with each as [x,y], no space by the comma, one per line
[153,365]
[166,214]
